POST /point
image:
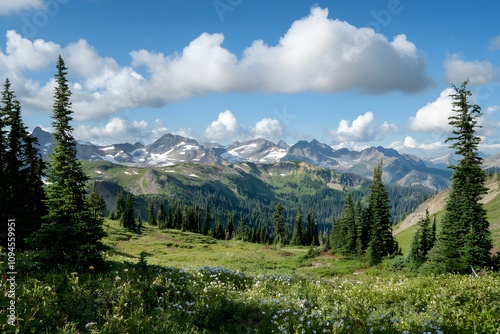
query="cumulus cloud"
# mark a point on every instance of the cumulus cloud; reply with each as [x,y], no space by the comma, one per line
[225,128]
[268,128]
[316,54]
[14,6]
[433,117]
[478,72]
[414,145]
[494,43]
[119,129]
[363,129]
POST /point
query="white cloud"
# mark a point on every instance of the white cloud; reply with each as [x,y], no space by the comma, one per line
[268,128]
[494,43]
[225,128]
[478,72]
[315,54]
[363,129]
[318,53]
[14,6]
[433,117]
[119,129]
[411,145]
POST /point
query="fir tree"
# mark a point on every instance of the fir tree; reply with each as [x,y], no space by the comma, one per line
[360,230]
[208,221]
[127,218]
[21,188]
[381,242]
[280,234]
[218,231]
[70,235]
[465,239]
[422,241]
[151,214]
[96,202]
[119,204]
[161,217]
[297,229]
[230,227]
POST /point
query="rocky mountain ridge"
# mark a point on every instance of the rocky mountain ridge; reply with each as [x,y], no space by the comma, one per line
[401,169]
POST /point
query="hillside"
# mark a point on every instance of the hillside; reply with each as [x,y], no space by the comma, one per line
[248,189]
[436,204]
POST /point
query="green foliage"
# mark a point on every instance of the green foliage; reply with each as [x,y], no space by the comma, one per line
[151,214]
[381,242]
[423,240]
[216,300]
[280,233]
[96,202]
[21,170]
[127,218]
[70,234]
[297,236]
[465,239]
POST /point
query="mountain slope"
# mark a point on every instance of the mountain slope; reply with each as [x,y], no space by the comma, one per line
[436,205]
[401,169]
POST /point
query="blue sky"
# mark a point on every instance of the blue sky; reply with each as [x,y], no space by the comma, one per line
[350,74]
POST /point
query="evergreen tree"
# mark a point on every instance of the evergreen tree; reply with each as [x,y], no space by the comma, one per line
[119,204]
[360,230]
[218,231]
[297,229]
[230,227]
[381,242]
[344,233]
[139,220]
[208,221]
[127,218]
[151,214]
[280,234]
[465,239]
[422,241]
[70,234]
[309,235]
[161,217]
[21,170]
[96,202]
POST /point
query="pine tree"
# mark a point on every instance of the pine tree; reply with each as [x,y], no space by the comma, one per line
[381,242]
[422,241]
[218,231]
[280,234]
[119,204]
[151,214]
[297,229]
[70,234]
[127,218]
[139,220]
[21,189]
[208,221]
[465,239]
[230,227]
[360,229]
[161,218]
[96,202]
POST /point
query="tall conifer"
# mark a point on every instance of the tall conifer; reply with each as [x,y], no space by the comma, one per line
[464,239]
[70,235]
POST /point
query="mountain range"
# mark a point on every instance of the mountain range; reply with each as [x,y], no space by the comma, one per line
[401,169]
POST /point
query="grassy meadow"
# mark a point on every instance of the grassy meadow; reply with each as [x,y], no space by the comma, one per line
[188,283]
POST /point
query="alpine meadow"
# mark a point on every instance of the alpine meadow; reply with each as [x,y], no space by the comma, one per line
[113,223]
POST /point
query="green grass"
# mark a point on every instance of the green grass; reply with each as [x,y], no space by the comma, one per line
[188,250]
